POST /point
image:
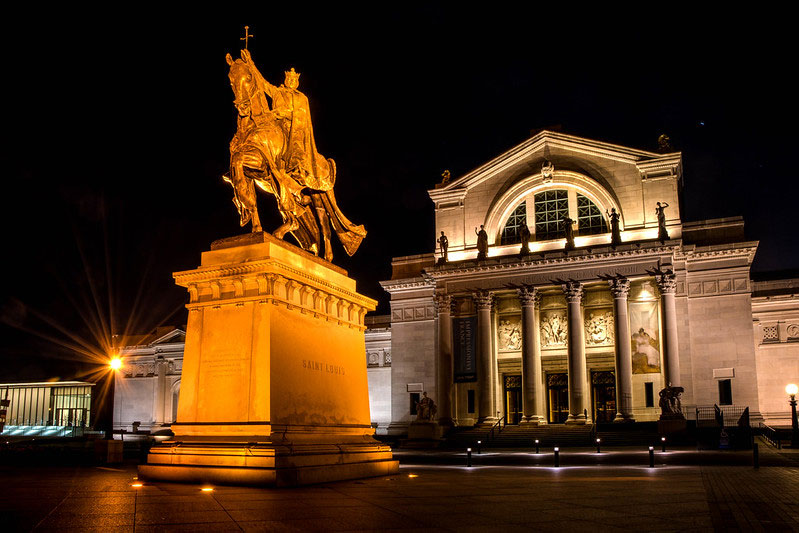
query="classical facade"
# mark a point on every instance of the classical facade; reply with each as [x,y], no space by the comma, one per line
[148,383]
[614,298]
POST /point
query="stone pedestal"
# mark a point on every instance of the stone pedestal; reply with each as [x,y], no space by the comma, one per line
[671,426]
[430,431]
[273,387]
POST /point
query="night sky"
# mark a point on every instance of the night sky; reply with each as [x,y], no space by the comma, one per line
[116,130]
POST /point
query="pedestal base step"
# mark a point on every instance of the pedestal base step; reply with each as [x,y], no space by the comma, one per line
[238,464]
[281,477]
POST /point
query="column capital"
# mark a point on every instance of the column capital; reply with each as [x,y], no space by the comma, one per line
[529,295]
[483,299]
[619,287]
[573,291]
[667,282]
[443,303]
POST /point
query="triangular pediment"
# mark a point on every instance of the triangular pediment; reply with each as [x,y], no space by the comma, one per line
[523,157]
[176,335]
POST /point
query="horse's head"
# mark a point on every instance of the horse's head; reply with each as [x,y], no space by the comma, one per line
[242,81]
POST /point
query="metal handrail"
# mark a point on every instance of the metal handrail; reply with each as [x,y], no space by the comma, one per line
[771,435]
[498,427]
[730,415]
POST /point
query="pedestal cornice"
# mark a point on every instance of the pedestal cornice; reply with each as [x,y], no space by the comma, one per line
[267,272]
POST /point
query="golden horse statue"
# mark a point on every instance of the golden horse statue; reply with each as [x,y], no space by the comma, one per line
[274,149]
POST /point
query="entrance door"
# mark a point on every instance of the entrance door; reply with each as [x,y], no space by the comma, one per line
[513,399]
[70,416]
[604,393]
[558,398]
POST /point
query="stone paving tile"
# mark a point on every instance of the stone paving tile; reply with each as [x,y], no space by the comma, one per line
[206,504]
[207,526]
[59,519]
[271,514]
[458,521]
[312,524]
[164,516]
[582,526]
[89,529]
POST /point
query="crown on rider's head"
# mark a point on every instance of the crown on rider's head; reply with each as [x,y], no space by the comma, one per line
[292,74]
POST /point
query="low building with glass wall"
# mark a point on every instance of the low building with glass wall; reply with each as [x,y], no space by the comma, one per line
[58,408]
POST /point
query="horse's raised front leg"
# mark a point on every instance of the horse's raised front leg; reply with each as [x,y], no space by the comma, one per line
[244,187]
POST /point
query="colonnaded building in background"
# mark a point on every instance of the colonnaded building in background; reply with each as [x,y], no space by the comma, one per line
[589,334]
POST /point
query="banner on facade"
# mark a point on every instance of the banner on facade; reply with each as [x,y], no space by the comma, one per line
[465,349]
[645,337]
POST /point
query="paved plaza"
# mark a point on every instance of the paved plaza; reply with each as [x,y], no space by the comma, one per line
[502,492]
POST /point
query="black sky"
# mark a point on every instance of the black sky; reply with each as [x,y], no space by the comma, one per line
[116,125]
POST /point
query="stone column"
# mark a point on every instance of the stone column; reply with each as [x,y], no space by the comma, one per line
[668,307]
[532,384]
[444,381]
[160,391]
[620,288]
[577,394]
[486,413]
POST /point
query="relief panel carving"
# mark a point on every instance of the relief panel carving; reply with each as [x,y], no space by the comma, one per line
[553,329]
[509,332]
[599,328]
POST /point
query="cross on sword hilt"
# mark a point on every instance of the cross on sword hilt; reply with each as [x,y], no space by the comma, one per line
[246,37]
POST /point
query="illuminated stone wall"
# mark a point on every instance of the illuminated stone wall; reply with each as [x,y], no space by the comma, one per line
[775,306]
[148,384]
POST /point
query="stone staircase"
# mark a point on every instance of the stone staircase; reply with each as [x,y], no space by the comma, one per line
[522,436]
[549,436]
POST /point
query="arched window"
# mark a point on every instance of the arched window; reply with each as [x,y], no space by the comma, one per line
[590,219]
[544,211]
[550,209]
[517,219]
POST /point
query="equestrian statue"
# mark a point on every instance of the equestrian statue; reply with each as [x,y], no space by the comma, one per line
[274,149]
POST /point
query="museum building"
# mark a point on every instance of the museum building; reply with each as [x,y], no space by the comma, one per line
[589,330]
[554,334]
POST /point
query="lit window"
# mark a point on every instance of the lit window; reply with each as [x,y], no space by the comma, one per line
[511,232]
[551,207]
[590,219]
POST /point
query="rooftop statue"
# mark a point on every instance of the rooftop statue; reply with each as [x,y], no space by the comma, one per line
[274,149]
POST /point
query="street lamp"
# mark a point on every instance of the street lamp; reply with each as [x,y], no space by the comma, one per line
[791,389]
[115,365]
